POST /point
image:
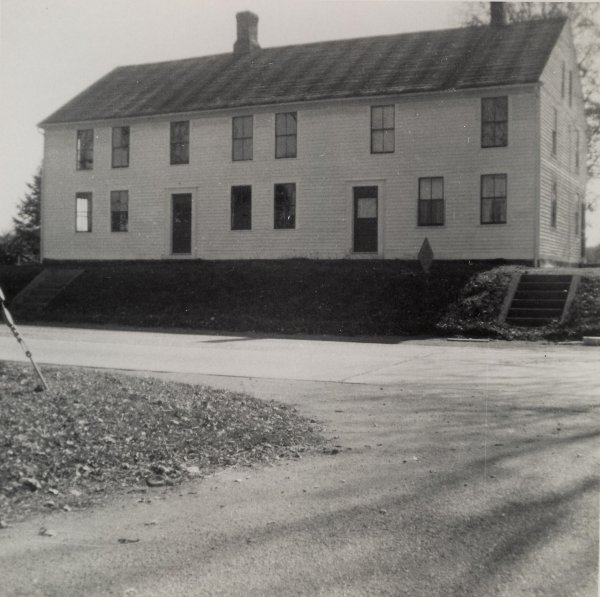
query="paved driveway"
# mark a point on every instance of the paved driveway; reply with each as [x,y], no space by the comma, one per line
[463,469]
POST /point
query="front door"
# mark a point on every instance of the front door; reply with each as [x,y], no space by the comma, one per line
[181,228]
[365,219]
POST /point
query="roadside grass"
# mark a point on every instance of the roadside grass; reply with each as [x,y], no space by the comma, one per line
[99,432]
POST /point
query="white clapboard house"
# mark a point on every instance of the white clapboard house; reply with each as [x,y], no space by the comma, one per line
[473,138]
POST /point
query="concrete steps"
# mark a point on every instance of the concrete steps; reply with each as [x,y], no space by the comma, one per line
[43,289]
[539,299]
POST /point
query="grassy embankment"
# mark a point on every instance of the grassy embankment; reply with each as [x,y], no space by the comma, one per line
[344,298]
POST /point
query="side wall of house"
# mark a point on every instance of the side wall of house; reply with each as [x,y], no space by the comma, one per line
[435,135]
[563,161]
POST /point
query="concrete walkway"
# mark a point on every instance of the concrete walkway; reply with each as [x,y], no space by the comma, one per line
[463,469]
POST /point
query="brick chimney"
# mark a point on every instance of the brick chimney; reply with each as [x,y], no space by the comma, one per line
[498,14]
[247,33]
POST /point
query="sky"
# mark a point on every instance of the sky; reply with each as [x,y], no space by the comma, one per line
[50,50]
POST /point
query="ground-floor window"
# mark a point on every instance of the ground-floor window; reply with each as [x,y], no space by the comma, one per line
[493,199]
[553,206]
[431,201]
[83,212]
[119,211]
[241,207]
[285,205]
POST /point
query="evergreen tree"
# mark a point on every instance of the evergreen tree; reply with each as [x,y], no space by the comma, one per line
[27,221]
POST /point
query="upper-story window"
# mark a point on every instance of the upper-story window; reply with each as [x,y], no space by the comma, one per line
[494,121]
[562,80]
[286,133]
[577,149]
[119,211]
[493,199]
[577,214]
[383,129]
[120,147]
[83,212]
[285,205]
[85,149]
[431,201]
[555,132]
[180,142]
[242,132]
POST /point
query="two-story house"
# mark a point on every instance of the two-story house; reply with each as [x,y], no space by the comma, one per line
[473,138]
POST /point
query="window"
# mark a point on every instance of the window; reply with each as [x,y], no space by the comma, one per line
[120,147]
[493,199]
[431,201]
[241,208]
[555,133]
[285,205]
[562,81]
[286,130]
[577,144]
[570,88]
[494,121]
[553,205]
[577,216]
[242,138]
[85,149]
[383,132]
[83,212]
[180,142]
[119,211]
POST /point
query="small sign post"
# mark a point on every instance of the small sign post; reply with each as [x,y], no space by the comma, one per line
[13,328]
[425,256]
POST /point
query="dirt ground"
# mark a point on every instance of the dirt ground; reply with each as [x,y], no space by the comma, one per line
[479,477]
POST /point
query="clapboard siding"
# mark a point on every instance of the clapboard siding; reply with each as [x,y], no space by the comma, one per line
[561,243]
[436,135]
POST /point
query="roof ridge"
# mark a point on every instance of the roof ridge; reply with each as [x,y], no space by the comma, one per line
[344,39]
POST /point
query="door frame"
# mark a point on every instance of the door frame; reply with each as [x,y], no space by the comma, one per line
[365,182]
[168,221]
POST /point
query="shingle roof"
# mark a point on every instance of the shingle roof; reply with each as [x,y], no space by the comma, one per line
[468,57]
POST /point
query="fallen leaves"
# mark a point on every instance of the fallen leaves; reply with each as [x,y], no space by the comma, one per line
[97,432]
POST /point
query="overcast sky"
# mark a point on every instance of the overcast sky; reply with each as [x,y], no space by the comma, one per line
[50,50]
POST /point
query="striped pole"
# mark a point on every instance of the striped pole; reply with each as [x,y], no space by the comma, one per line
[13,328]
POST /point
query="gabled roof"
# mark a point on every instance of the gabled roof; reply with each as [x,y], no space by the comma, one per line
[469,57]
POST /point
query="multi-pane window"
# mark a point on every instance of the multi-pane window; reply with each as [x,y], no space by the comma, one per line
[553,205]
[383,129]
[555,132]
[562,81]
[242,137]
[285,205]
[493,199]
[83,212]
[241,207]
[119,211]
[180,142]
[577,145]
[286,133]
[431,201]
[85,149]
[120,147]
[494,121]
